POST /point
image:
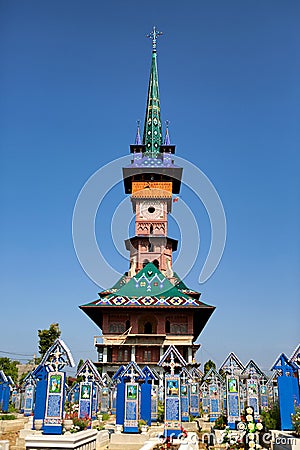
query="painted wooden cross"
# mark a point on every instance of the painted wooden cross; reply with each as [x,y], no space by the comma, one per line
[251,373]
[184,377]
[133,374]
[172,364]
[87,374]
[56,363]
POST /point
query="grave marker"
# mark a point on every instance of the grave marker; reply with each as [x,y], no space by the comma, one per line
[146,395]
[88,390]
[4,392]
[288,389]
[233,400]
[172,391]
[185,380]
[29,397]
[50,387]
[215,385]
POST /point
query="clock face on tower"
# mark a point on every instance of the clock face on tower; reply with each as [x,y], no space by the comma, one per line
[151,210]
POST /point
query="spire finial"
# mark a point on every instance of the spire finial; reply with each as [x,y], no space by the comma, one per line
[167,136]
[152,137]
[138,140]
[154,35]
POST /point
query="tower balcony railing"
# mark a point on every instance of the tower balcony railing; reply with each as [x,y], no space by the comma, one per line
[143,339]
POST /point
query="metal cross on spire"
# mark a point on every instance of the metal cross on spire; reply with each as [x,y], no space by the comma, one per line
[154,35]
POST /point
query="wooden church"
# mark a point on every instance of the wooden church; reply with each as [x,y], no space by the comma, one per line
[150,307]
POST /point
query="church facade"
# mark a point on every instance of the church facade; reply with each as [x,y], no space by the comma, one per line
[150,307]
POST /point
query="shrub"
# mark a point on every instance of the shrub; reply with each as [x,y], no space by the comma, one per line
[105,416]
[296,420]
[220,423]
[7,417]
[81,423]
[271,418]
[161,412]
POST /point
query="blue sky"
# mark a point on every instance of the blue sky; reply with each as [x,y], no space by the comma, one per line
[73,83]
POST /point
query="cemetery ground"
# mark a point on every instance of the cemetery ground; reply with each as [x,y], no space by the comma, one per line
[199,433]
[141,408]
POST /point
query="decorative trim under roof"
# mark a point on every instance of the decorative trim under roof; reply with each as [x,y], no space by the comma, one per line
[295,358]
[232,362]
[89,371]
[172,353]
[58,356]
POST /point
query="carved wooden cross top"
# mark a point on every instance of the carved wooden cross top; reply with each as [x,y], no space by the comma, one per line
[55,361]
[87,374]
[251,373]
[133,374]
[172,364]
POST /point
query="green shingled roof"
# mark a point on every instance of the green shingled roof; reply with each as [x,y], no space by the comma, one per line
[149,281]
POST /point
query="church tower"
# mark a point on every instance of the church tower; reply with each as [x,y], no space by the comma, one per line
[149,308]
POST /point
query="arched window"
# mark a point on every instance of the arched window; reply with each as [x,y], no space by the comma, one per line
[168,326]
[148,328]
[147,324]
[150,247]
[151,229]
[156,263]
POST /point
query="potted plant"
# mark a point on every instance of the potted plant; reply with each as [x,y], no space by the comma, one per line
[143,427]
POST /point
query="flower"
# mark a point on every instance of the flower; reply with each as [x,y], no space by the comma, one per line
[251,444]
[259,426]
[251,426]
[251,436]
[249,418]
[249,410]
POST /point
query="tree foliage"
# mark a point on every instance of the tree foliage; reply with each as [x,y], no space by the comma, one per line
[81,362]
[48,337]
[208,365]
[9,367]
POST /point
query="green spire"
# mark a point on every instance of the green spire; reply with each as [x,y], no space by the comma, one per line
[152,138]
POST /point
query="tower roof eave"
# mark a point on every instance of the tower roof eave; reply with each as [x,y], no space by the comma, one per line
[171,173]
[201,313]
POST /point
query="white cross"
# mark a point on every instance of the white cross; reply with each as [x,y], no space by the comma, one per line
[132,374]
[172,364]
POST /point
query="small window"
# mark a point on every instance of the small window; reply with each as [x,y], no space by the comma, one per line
[168,326]
[126,354]
[147,356]
[148,328]
[120,355]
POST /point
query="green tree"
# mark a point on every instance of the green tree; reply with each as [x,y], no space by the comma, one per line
[208,365]
[9,367]
[48,337]
[80,364]
[222,373]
